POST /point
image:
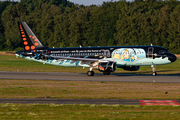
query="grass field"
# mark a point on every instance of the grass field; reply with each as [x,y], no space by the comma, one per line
[87,90]
[88,112]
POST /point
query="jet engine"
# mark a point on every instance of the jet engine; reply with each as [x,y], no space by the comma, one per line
[131,68]
[107,66]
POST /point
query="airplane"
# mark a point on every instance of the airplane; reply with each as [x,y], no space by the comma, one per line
[105,59]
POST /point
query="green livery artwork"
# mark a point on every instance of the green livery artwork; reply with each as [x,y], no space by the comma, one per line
[105,59]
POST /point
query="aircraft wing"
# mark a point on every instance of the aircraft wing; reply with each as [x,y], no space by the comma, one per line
[75,59]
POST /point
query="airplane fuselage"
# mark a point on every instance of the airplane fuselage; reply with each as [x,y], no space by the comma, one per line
[122,55]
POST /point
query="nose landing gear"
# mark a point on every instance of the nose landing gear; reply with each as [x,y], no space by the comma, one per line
[153,69]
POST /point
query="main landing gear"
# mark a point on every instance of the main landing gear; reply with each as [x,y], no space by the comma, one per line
[153,69]
[90,73]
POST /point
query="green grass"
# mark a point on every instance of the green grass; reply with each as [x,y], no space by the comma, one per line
[11,63]
[88,112]
[87,90]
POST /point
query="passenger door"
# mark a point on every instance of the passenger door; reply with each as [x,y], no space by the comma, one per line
[150,52]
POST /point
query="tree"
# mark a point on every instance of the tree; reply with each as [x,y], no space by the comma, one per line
[174,31]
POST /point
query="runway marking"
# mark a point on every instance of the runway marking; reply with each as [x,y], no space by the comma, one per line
[158,102]
[164,101]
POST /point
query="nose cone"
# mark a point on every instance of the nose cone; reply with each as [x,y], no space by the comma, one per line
[172,57]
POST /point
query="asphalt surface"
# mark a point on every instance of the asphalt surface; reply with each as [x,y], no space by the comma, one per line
[84,77]
[70,101]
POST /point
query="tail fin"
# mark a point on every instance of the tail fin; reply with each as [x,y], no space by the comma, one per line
[30,40]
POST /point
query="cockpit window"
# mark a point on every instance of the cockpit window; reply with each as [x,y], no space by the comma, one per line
[162,52]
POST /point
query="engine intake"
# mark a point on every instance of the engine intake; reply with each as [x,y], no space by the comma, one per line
[107,66]
[131,68]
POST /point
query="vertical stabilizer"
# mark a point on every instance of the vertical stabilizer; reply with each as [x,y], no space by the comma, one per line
[30,40]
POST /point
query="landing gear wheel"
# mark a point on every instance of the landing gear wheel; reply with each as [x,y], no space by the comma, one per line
[154,74]
[106,73]
[90,73]
[153,69]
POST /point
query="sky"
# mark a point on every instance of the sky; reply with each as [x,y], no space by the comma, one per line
[85,2]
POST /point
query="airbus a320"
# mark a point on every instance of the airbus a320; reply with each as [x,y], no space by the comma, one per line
[105,59]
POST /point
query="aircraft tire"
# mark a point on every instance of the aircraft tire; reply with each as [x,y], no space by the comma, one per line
[106,73]
[90,73]
[154,74]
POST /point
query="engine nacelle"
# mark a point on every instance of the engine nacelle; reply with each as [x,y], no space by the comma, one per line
[131,68]
[107,66]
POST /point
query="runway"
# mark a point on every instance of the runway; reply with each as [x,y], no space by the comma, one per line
[83,77]
[90,101]
[70,101]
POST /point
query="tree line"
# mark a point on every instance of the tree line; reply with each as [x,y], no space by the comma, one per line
[60,23]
